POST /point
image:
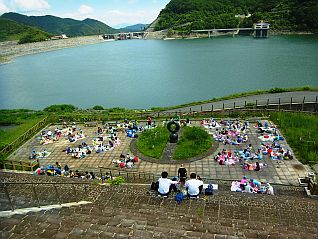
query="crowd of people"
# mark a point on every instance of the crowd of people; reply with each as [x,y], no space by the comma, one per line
[252,186]
[126,161]
[233,132]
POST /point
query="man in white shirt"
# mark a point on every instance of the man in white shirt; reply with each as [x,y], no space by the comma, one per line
[194,186]
[165,184]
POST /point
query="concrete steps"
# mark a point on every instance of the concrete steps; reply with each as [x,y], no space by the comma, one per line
[132,211]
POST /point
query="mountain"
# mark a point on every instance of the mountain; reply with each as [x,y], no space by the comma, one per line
[11,30]
[290,15]
[134,28]
[57,25]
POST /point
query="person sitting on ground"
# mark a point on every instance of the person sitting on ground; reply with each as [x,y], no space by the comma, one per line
[165,184]
[182,172]
[194,186]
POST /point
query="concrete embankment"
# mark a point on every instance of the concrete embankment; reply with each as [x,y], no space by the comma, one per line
[12,49]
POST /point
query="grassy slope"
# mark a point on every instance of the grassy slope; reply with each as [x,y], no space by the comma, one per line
[11,30]
[22,118]
[300,131]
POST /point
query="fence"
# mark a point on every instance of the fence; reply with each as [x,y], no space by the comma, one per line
[40,194]
[128,175]
[274,104]
[259,105]
[24,137]
[21,165]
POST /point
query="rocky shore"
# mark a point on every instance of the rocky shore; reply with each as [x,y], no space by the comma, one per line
[11,49]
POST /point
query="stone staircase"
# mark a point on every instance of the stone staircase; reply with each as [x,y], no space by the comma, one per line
[132,211]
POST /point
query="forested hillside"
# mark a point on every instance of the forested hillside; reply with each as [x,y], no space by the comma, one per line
[57,25]
[289,15]
[10,30]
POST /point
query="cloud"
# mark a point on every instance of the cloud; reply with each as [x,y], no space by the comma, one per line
[3,7]
[85,10]
[30,5]
[115,17]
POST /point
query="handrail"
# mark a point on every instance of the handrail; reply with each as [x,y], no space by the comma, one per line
[24,165]
[45,183]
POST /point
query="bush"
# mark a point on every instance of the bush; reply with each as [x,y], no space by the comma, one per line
[60,108]
[116,181]
[98,107]
[277,90]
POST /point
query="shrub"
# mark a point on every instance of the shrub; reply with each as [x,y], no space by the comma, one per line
[60,108]
[98,107]
[277,90]
[116,181]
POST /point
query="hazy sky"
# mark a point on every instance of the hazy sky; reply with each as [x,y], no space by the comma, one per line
[111,12]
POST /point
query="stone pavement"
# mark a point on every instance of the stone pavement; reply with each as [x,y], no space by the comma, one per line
[282,172]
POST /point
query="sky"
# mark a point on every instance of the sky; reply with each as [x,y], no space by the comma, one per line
[112,12]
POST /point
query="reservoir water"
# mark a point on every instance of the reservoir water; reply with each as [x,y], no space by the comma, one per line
[150,73]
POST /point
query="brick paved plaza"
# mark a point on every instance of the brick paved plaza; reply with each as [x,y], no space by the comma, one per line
[280,172]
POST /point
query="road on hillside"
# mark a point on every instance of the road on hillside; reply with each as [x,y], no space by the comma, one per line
[263,99]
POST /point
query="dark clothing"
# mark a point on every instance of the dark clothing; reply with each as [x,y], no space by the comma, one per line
[182,173]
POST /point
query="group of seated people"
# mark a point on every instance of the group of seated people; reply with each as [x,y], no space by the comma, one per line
[79,152]
[227,157]
[48,136]
[257,166]
[57,170]
[275,151]
[233,132]
[39,154]
[126,161]
[252,186]
[73,136]
[190,188]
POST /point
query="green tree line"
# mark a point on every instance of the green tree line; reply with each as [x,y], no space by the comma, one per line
[289,15]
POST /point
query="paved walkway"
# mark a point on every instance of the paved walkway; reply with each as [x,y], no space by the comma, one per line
[282,172]
[285,98]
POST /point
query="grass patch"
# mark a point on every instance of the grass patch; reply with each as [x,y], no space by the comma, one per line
[194,141]
[300,130]
[152,142]
[23,119]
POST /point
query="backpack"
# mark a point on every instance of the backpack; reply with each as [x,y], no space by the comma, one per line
[154,186]
[209,190]
[179,197]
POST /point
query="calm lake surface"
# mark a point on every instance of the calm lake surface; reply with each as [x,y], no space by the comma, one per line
[149,73]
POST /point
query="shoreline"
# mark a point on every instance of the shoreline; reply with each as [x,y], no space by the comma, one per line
[11,49]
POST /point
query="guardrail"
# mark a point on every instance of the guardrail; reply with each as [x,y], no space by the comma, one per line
[128,175]
[35,191]
[24,137]
[21,165]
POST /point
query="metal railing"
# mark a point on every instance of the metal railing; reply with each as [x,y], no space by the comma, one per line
[21,165]
[35,194]
[24,137]
[128,175]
